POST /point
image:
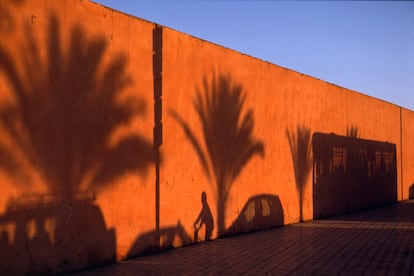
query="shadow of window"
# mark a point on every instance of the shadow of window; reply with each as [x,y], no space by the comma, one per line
[260,212]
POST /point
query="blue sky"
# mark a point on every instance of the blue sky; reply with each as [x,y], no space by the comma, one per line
[366,46]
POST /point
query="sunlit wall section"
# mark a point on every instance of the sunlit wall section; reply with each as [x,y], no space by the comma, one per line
[120,137]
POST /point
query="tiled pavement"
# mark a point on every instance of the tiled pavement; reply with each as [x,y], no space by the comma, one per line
[374,242]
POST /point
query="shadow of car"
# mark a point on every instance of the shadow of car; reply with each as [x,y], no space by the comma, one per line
[260,212]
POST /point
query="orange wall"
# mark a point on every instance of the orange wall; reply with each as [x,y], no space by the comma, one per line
[407,154]
[281,100]
[119,167]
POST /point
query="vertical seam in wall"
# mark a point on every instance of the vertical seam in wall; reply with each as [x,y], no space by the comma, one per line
[401,155]
[129,36]
[157,97]
[111,46]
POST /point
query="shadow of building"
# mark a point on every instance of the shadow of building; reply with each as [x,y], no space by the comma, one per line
[350,174]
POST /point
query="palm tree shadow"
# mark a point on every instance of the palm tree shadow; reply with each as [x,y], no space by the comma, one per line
[352,131]
[65,122]
[66,113]
[7,18]
[300,148]
[227,134]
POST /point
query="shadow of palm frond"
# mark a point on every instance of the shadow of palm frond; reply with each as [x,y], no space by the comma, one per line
[227,136]
[7,14]
[67,108]
[352,131]
[300,148]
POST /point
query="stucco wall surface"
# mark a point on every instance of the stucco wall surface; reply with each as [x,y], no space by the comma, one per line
[407,153]
[120,137]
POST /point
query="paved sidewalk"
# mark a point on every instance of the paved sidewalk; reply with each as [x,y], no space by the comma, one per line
[375,242]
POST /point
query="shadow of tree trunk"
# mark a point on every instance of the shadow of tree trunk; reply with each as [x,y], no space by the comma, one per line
[300,148]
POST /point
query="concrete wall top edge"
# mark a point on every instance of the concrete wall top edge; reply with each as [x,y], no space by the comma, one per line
[121,12]
[167,71]
[246,55]
[407,110]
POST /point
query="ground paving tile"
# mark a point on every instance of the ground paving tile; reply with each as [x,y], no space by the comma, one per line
[378,241]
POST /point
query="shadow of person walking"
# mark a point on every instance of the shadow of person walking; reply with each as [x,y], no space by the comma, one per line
[205,218]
